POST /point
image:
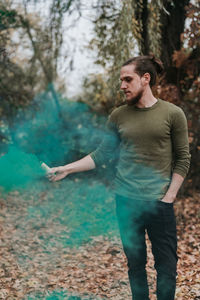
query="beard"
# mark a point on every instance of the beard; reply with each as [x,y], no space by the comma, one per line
[136,99]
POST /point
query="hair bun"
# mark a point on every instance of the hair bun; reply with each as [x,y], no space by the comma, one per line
[157,63]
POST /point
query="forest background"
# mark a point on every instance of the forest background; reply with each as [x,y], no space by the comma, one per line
[37,117]
[32,53]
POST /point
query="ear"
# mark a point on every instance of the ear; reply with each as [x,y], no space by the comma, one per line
[146,78]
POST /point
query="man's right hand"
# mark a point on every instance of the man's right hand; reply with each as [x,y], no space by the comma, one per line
[57,173]
[84,164]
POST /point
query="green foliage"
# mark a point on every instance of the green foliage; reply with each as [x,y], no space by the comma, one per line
[121,30]
[30,51]
[11,74]
[126,28]
[7,17]
[96,92]
[155,27]
[114,42]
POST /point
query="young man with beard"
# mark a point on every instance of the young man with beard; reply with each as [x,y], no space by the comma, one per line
[152,139]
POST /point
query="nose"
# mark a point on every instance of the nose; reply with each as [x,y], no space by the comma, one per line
[123,85]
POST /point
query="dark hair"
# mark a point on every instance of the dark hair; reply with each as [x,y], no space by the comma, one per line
[146,64]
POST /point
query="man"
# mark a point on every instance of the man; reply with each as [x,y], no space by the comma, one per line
[152,139]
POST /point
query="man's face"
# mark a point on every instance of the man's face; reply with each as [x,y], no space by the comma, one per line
[131,84]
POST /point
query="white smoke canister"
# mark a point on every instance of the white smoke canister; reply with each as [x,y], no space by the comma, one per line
[46,168]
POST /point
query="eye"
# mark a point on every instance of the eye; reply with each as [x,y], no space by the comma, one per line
[128,79]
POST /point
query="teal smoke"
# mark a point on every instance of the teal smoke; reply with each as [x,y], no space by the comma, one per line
[82,202]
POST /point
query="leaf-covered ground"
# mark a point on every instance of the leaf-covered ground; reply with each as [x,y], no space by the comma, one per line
[35,264]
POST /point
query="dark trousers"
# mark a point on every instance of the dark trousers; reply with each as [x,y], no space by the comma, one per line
[158,220]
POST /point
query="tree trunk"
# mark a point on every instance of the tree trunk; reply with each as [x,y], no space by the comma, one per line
[172,28]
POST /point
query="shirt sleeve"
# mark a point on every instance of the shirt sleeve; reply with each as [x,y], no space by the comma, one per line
[180,143]
[109,147]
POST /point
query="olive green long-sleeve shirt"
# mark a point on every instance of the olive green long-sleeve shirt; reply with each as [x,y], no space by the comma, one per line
[152,144]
